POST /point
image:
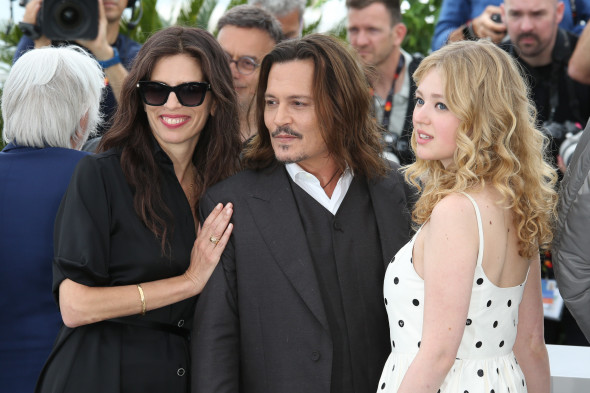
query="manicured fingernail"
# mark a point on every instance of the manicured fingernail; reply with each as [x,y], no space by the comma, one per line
[219,206]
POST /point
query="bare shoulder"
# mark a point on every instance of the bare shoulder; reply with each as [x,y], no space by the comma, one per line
[453,208]
[450,238]
[453,220]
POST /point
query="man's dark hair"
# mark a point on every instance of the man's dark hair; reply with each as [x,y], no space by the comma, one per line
[249,16]
[342,103]
[393,7]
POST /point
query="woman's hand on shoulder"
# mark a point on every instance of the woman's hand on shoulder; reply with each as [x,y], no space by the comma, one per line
[212,237]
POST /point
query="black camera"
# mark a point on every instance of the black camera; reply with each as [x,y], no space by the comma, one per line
[398,147]
[558,131]
[567,148]
[65,20]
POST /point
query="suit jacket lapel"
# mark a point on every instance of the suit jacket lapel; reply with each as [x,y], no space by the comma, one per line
[276,215]
[392,214]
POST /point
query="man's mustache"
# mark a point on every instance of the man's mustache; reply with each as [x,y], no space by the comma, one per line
[285,130]
[528,35]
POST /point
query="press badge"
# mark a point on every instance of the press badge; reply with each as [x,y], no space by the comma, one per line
[552,300]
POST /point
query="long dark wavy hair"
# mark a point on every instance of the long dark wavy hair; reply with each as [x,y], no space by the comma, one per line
[342,100]
[216,155]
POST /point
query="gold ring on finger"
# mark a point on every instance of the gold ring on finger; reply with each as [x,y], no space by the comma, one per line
[214,240]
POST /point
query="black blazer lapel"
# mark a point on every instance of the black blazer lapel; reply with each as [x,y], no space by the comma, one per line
[276,215]
[391,212]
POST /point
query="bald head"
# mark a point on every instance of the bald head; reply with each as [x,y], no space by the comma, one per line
[532,26]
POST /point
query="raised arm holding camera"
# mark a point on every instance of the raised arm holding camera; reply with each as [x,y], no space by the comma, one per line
[73,21]
[472,19]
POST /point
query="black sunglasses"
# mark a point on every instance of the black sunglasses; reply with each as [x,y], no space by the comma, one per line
[188,94]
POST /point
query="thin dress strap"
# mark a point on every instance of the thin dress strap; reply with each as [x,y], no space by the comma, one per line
[479,228]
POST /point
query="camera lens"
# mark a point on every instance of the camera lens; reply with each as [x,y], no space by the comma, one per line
[69,19]
[68,16]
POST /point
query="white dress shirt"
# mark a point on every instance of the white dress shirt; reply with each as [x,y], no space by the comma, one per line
[310,184]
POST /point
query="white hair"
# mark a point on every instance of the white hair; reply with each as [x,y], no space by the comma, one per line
[48,93]
[281,7]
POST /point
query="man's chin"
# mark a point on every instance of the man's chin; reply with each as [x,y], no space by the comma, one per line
[366,58]
[529,51]
[284,159]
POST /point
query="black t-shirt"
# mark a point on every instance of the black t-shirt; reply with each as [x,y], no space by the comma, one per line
[573,97]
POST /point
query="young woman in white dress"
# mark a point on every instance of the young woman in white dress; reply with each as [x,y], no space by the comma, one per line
[464,295]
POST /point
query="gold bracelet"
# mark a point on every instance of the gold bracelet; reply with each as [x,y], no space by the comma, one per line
[142,299]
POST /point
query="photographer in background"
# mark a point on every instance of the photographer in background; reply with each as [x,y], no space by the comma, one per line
[544,49]
[114,51]
[473,19]
[376,31]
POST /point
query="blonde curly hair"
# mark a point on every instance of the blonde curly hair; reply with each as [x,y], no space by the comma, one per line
[497,141]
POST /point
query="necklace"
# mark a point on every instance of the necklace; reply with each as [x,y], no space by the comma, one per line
[332,178]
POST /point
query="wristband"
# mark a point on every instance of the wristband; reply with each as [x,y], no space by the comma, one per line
[112,61]
[468,32]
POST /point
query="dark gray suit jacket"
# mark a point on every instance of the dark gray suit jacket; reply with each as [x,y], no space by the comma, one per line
[260,324]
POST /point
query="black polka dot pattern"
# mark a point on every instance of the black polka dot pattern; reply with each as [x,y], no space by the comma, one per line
[488,332]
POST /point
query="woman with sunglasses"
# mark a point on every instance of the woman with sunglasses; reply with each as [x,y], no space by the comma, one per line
[127,267]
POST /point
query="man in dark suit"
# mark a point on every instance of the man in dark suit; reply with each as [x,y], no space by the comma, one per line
[296,303]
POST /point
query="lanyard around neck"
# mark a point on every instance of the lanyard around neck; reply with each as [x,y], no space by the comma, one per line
[389,100]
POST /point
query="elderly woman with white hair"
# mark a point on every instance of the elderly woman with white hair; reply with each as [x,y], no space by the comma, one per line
[50,104]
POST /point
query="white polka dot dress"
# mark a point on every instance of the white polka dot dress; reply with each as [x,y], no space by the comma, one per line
[485,362]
